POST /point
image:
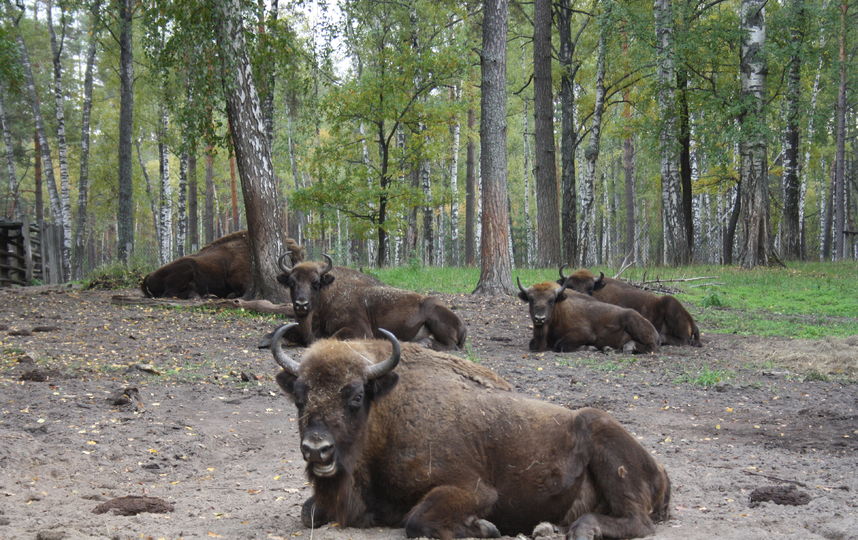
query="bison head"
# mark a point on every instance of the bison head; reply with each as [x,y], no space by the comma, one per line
[582,281]
[305,281]
[333,389]
[541,299]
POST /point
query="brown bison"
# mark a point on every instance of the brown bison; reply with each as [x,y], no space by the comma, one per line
[345,304]
[414,438]
[221,268]
[674,324]
[567,320]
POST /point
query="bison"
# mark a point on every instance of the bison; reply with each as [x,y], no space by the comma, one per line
[567,320]
[402,436]
[674,324]
[221,268]
[342,303]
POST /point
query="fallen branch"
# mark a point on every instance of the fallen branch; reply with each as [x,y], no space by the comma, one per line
[259,306]
[677,280]
[775,478]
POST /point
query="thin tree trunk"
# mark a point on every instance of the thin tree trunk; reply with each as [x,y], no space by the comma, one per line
[428,233]
[730,234]
[156,215]
[525,134]
[62,145]
[629,176]
[685,172]
[193,202]
[456,93]
[828,211]
[233,196]
[125,212]
[165,194]
[675,247]
[790,225]
[471,193]
[840,135]
[586,236]
[37,181]
[752,148]
[81,233]
[12,176]
[802,198]
[209,210]
[543,108]
[182,210]
[568,133]
[253,154]
[495,264]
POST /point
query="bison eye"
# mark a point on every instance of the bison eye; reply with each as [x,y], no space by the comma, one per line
[356,401]
[317,284]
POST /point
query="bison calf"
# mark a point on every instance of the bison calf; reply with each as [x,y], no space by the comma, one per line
[404,436]
[566,321]
[674,324]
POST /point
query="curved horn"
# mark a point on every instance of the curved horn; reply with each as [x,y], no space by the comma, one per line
[518,280]
[330,264]
[281,357]
[281,262]
[383,368]
[601,276]
[564,278]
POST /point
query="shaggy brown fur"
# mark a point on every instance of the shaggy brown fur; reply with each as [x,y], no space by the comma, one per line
[442,447]
[347,304]
[674,324]
[567,320]
[221,268]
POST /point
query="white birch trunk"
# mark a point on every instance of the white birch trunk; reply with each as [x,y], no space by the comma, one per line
[165,228]
[428,236]
[156,218]
[528,223]
[12,177]
[454,184]
[182,210]
[802,196]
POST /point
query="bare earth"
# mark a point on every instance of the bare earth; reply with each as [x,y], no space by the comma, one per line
[210,434]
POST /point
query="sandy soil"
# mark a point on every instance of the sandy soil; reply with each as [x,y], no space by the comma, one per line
[101,401]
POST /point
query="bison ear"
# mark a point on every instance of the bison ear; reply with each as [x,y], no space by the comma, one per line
[599,283]
[523,296]
[561,296]
[283,279]
[286,381]
[383,385]
[326,280]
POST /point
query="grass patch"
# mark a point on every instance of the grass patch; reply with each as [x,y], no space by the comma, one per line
[116,276]
[607,366]
[706,377]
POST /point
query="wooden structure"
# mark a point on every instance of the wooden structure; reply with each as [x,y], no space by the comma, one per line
[30,254]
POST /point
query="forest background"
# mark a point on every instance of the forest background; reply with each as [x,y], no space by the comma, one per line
[657,133]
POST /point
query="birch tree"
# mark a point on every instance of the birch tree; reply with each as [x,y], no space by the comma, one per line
[840,208]
[456,94]
[12,177]
[790,228]
[495,263]
[753,160]
[165,192]
[125,210]
[470,193]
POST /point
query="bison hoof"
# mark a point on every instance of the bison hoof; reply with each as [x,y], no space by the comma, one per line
[482,528]
[311,515]
[544,529]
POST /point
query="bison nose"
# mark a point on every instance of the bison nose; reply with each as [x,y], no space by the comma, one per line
[301,304]
[539,319]
[317,450]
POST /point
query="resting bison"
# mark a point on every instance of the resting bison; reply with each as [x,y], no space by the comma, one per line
[337,302]
[440,446]
[221,269]
[567,320]
[674,324]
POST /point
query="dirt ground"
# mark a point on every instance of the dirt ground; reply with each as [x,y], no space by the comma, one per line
[102,401]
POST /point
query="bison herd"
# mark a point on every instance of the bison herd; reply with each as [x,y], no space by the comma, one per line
[404,435]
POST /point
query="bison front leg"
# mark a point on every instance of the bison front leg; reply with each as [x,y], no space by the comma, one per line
[590,526]
[452,512]
[312,515]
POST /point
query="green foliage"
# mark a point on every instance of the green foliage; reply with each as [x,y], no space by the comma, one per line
[706,377]
[116,276]
[713,299]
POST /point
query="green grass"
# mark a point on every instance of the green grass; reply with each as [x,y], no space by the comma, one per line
[705,377]
[117,276]
[804,300]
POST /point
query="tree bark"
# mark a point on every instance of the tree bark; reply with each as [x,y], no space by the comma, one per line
[253,155]
[495,264]
[12,176]
[193,202]
[525,135]
[182,209]
[471,193]
[165,194]
[790,227]
[840,135]
[545,170]
[730,233]
[233,196]
[125,212]
[456,94]
[208,210]
[568,131]
[752,147]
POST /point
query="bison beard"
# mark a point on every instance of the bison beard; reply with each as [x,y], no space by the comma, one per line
[441,446]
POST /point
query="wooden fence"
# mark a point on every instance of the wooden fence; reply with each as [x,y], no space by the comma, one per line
[29,254]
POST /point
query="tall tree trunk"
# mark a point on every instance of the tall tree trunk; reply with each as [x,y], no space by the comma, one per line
[233,196]
[543,108]
[253,154]
[182,210]
[125,212]
[587,235]
[428,233]
[156,214]
[165,193]
[568,132]
[37,181]
[840,157]
[752,148]
[525,134]
[495,264]
[685,169]
[790,227]
[209,210]
[62,145]
[471,193]
[456,93]
[629,177]
[297,224]
[81,233]
[730,233]
[675,246]
[193,202]
[802,197]
[12,176]
[827,210]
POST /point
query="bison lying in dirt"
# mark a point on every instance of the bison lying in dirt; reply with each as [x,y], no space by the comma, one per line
[440,446]
[674,324]
[340,303]
[567,320]
[220,269]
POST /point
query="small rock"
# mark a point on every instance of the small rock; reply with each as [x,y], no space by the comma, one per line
[4,521]
[4,327]
[36,429]
[785,495]
[20,333]
[45,328]
[50,535]
[148,368]
[124,397]
[132,505]
[34,375]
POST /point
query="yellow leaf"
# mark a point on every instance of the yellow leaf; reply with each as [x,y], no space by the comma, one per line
[214,535]
[153,451]
[91,442]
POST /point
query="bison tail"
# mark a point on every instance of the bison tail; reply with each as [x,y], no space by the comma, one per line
[447,328]
[144,287]
[678,323]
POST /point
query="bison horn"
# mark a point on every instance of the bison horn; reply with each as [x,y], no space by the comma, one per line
[330,266]
[518,280]
[281,262]
[383,368]
[281,357]
[564,278]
